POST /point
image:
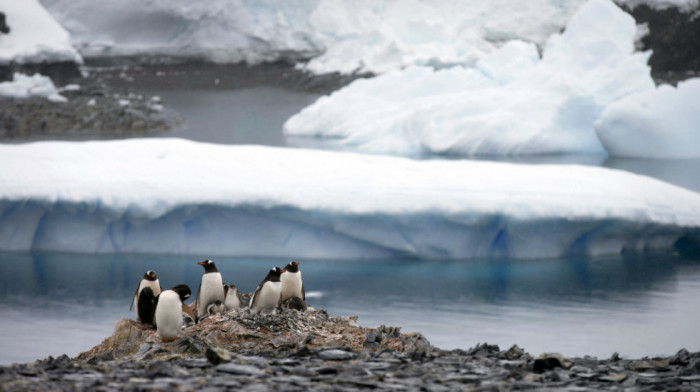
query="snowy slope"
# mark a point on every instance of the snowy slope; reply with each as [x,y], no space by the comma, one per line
[34,35]
[176,196]
[511,103]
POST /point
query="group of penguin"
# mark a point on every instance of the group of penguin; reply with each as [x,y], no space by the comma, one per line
[164,308]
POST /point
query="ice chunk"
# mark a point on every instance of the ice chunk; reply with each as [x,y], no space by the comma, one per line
[662,123]
[23,86]
[511,103]
[34,35]
[177,196]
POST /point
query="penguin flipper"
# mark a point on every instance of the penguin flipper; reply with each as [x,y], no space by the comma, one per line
[146,306]
[136,295]
[196,301]
[252,299]
[155,306]
[303,292]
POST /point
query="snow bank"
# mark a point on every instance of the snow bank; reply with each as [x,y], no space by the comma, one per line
[177,196]
[663,123]
[341,35]
[34,36]
[23,86]
[511,103]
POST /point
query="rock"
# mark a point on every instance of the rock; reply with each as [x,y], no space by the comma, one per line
[245,370]
[649,365]
[549,361]
[614,377]
[336,355]
[217,355]
[514,352]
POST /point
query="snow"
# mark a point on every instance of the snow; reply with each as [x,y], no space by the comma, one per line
[510,103]
[177,196]
[23,86]
[339,35]
[663,123]
[34,36]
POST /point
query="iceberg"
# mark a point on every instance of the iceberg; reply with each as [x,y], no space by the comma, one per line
[182,197]
[663,123]
[511,103]
[336,35]
[34,36]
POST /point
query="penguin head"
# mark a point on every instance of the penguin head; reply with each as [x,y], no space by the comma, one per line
[293,266]
[183,291]
[274,274]
[208,265]
[150,275]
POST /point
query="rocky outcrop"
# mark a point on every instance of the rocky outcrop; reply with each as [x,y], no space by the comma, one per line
[284,333]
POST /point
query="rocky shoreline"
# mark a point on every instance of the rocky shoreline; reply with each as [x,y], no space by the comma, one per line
[293,351]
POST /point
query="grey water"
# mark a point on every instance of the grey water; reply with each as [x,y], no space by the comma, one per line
[55,303]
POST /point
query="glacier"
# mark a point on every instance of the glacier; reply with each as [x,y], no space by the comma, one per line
[181,197]
[34,36]
[514,103]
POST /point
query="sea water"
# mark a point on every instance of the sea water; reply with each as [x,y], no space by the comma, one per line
[55,303]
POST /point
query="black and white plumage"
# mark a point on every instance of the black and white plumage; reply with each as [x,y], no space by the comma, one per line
[211,287]
[146,306]
[168,315]
[267,294]
[292,286]
[149,279]
[216,307]
[231,300]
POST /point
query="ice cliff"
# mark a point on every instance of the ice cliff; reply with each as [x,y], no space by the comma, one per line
[176,196]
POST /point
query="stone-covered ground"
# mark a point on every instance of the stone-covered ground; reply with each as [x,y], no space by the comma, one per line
[314,351]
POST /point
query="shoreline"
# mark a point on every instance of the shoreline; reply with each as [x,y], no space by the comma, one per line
[313,350]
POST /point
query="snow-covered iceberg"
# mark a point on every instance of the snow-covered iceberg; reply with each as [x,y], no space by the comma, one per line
[177,196]
[34,36]
[339,35]
[663,123]
[511,103]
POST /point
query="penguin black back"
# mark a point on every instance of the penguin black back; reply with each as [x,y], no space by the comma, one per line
[183,291]
[147,306]
[272,276]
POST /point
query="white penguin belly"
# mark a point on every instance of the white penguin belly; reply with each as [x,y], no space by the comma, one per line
[169,315]
[268,296]
[153,284]
[232,302]
[212,289]
[291,285]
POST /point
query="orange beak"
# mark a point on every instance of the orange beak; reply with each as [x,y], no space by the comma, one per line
[201,263]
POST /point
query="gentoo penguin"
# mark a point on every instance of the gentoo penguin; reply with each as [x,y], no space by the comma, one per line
[216,307]
[211,288]
[292,285]
[146,306]
[149,279]
[168,315]
[267,294]
[231,300]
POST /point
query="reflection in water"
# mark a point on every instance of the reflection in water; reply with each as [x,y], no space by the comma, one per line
[54,303]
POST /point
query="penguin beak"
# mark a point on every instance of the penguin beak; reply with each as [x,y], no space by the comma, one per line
[201,263]
[294,263]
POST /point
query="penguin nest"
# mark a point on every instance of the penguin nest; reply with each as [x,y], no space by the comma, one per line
[282,333]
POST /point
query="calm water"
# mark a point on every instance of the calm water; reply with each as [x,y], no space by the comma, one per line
[62,303]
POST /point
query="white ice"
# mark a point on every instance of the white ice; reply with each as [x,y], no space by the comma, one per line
[177,196]
[510,103]
[663,123]
[23,86]
[34,35]
[339,35]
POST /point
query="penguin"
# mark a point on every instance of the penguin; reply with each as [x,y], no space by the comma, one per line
[149,279]
[292,286]
[231,300]
[211,287]
[216,307]
[146,306]
[267,294]
[168,315]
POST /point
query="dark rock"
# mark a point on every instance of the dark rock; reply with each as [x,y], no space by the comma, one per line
[217,355]
[550,361]
[4,28]
[160,369]
[245,370]
[514,352]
